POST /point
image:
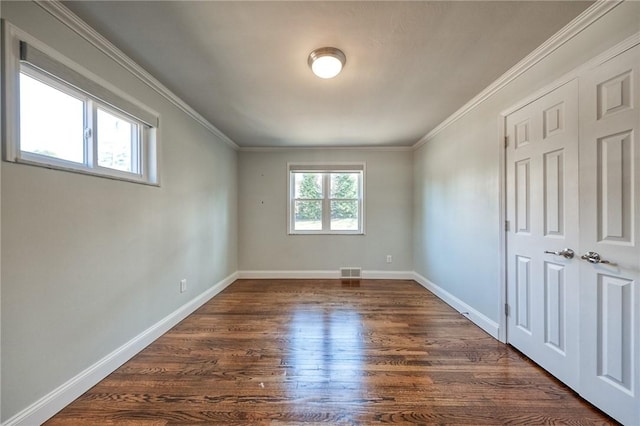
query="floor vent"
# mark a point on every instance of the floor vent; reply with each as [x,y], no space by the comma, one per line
[350,272]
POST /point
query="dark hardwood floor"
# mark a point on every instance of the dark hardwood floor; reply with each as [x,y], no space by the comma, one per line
[323,351]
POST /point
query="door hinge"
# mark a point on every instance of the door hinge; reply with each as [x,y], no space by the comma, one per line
[506,225]
[506,309]
[506,141]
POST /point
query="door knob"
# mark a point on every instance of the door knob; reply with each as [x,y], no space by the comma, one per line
[593,257]
[567,253]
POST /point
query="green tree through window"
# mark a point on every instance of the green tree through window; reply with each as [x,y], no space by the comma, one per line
[328,201]
[345,190]
[310,188]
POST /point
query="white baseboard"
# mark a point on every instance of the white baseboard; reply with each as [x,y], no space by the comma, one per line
[267,275]
[327,275]
[478,318]
[387,275]
[54,401]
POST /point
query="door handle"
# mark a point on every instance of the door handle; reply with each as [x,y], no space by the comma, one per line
[593,257]
[567,253]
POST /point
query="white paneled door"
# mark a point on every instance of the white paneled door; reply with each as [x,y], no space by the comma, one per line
[542,199]
[573,259]
[609,237]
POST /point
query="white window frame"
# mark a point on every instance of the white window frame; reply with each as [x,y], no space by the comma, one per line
[139,156]
[326,169]
[145,156]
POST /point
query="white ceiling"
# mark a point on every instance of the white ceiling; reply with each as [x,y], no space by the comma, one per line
[243,65]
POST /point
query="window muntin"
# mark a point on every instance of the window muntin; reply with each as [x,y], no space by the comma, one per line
[326,201]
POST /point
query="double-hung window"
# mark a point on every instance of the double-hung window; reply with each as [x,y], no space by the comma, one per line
[63,117]
[326,199]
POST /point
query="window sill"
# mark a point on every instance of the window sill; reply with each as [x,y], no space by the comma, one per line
[82,171]
[355,233]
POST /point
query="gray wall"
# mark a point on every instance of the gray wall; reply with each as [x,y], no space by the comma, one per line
[88,263]
[264,244]
[456,182]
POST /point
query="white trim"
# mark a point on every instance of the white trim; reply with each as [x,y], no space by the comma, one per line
[323,275]
[2,136]
[148,172]
[325,148]
[475,316]
[502,220]
[72,21]
[54,401]
[584,20]
[607,55]
[10,88]
[268,275]
[16,34]
[325,168]
[387,275]
[572,29]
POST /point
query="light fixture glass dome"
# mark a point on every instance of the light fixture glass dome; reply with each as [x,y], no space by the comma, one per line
[327,62]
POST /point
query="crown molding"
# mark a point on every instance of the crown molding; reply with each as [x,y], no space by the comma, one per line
[607,55]
[568,32]
[72,21]
[580,23]
[325,148]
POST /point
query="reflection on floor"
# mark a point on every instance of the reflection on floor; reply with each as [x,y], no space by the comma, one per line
[320,351]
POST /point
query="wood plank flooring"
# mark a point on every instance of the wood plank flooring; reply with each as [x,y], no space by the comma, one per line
[324,351]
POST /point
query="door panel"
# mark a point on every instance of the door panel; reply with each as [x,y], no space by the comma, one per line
[554,307]
[615,312]
[610,224]
[523,196]
[523,294]
[554,193]
[579,318]
[542,174]
[615,185]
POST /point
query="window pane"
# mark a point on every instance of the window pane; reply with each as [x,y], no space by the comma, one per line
[344,185]
[308,185]
[51,121]
[308,216]
[344,215]
[117,142]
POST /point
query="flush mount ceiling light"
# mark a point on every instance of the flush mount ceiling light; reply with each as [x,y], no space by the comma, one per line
[327,62]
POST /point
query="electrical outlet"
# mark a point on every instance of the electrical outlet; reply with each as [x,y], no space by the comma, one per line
[389,258]
[183,285]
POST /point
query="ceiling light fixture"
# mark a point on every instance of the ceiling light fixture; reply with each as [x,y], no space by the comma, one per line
[327,62]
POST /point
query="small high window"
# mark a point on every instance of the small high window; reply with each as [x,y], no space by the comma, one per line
[60,116]
[326,199]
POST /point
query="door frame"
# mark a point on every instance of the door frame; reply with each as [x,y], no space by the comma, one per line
[576,73]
